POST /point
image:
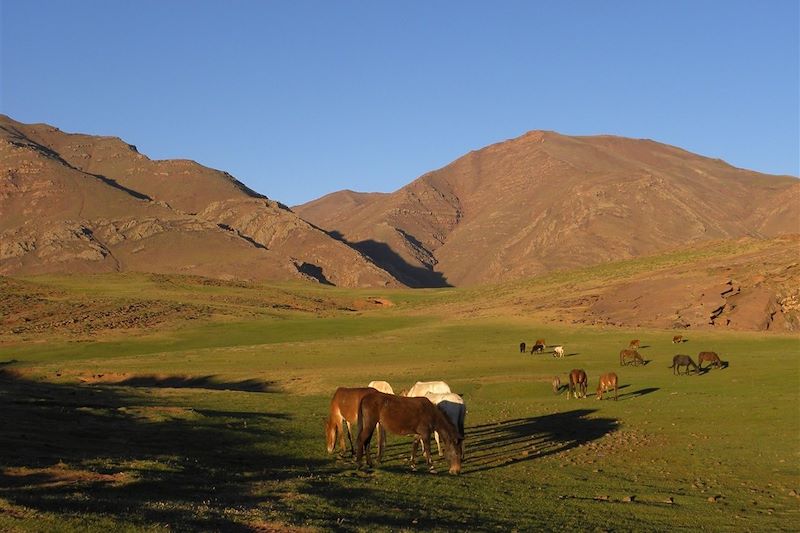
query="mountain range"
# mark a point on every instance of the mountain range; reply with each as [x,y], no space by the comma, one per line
[515,210]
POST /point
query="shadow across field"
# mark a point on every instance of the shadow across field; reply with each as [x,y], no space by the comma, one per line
[491,446]
[81,450]
[201,382]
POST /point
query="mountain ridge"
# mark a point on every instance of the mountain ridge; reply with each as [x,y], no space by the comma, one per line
[545,201]
[74,202]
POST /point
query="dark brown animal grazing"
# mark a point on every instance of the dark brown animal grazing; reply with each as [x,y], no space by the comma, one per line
[537,348]
[607,382]
[677,339]
[682,360]
[522,347]
[634,344]
[577,383]
[711,357]
[630,356]
[401,415]
[344,410]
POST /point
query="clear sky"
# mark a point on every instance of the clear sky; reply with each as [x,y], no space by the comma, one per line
[301,98]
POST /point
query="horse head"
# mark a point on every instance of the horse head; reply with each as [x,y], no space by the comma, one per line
[454,452]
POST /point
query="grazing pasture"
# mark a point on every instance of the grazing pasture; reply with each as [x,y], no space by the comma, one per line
[219,424]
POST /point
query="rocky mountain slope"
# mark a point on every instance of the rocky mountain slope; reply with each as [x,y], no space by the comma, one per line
[545,202]
[87,204]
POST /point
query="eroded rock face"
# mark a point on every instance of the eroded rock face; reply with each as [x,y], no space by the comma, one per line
[79,203]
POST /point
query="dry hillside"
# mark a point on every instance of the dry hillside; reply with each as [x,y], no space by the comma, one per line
[81,203]
[545,202]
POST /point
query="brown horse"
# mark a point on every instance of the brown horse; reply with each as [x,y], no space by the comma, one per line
[407,416]
[537,348]
[522,347]
[633,355]
[677,339]
[682,360]
[711,357]
[634,344]
[344,410]
[577,383]
[607,382]
[541,341]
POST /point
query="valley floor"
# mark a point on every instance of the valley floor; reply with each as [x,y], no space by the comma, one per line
[212,418]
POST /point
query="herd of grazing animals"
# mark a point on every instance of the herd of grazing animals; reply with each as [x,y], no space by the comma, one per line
[430,408]
[630,356]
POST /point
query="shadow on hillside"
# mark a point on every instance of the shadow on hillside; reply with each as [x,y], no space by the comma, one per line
[382,255]
[491,446]
[94,451]
[314,271]
[202,382]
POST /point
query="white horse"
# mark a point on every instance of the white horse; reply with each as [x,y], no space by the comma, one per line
[382,386]
[421,388]
[452,405]
[558,351]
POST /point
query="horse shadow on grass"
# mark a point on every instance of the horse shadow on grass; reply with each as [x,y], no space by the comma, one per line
[637,393]
[491,446]
[97,451]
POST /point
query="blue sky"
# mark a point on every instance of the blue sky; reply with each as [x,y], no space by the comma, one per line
[300,98]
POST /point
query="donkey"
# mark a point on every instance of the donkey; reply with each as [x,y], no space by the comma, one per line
[633,355]
[711,357]
[682,360]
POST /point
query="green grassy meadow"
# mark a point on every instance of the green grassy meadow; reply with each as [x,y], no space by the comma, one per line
[217,424]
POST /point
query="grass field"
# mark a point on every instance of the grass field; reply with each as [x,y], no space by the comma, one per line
[216,423]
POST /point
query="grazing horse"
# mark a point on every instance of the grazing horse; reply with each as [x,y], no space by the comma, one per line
[522,347]
[381,386]
[682,360]
[537,348]
[407,416]
[541,341]
[607,382]
[577,383]
[677,339]
[633,355]
[344,410]
[634,344]
[421,388]
[452,405]
[711,357]
[556,384]
[558,351]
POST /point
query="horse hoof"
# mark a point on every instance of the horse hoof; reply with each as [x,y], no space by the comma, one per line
[432,471]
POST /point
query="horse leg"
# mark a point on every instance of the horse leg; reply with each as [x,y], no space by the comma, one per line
[414,453]
[426,449]
[381,442]
[340,429]
[438,446]
[350,438]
